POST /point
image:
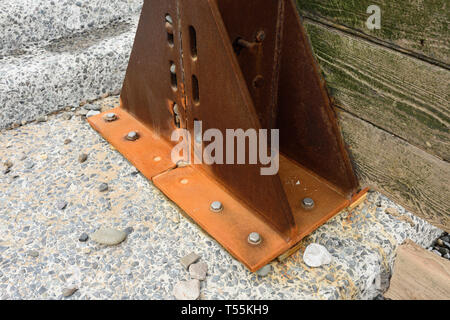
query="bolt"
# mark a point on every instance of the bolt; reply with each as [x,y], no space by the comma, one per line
[169,27]
[254,238]
[110,117]
[173,68]
[260,36]
[308,203]
[246,44]
[132,136]
[216,206]
[175,109]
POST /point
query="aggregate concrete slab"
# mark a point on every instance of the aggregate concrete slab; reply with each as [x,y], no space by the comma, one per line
[26,23]
[64,73]
[45,170]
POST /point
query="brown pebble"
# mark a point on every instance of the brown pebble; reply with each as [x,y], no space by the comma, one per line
[82,158]
[69,292]
[8,164]
[67,141]
[392,211]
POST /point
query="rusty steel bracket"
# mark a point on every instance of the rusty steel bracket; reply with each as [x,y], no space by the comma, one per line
[234,64]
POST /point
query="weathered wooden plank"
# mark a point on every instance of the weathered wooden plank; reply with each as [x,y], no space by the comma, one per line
[420,26]
[407,174]
[419,275]
[401,94]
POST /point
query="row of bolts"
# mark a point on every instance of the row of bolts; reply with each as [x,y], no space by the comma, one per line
[254,238]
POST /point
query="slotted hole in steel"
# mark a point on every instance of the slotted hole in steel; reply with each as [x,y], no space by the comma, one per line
[170,37]
[176,115]
[195,90]
[193,41]
[173,76]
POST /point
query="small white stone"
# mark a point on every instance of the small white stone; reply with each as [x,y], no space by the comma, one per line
[92,113]
[316,255]
[198,270]
[187,290]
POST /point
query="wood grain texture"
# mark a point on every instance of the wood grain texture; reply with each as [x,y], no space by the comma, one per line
[408,175]
[419,275]
[398,93]
[420,25]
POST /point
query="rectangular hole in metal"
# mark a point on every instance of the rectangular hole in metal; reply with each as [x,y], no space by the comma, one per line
[193,41]
[195,90]
[173,76]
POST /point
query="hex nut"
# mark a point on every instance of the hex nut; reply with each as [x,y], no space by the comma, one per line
[254,238]
[132,136]
[216,206]
[308,203]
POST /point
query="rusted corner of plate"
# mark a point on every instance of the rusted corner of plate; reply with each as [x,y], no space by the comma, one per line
[194,192]
[150,154]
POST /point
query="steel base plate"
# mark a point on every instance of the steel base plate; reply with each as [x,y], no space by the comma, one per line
[194,191]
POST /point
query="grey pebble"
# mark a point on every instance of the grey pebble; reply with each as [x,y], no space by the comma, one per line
[329,277]
[198,270]
[103,187]
[108,236]
[264,271]
[84,237]
[189,259]
[94,107]
[61,205]
[92,113]
[129,230]
[33,253]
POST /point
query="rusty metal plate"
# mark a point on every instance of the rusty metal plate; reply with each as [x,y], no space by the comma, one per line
[194,192]
[150,154]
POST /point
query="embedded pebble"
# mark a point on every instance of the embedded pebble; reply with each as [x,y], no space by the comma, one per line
[33,253]
[93,107]
[84,237]
[108,236]
[68,292]
[92,113]
[187,290]
[264,271]
[83,112]
[198,270]
[82,158]
[67,141]
[61,205]
[129,230]
[316,255]
[103,187]
[8,164]
[191,258]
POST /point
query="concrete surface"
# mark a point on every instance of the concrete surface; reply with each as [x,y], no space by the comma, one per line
[41,255]
[55,54]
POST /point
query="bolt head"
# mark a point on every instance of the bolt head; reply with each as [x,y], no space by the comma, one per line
[132,136]
[254,238]
[308,203]
[110,116]
[260,36]
[216,206]
[173,68]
